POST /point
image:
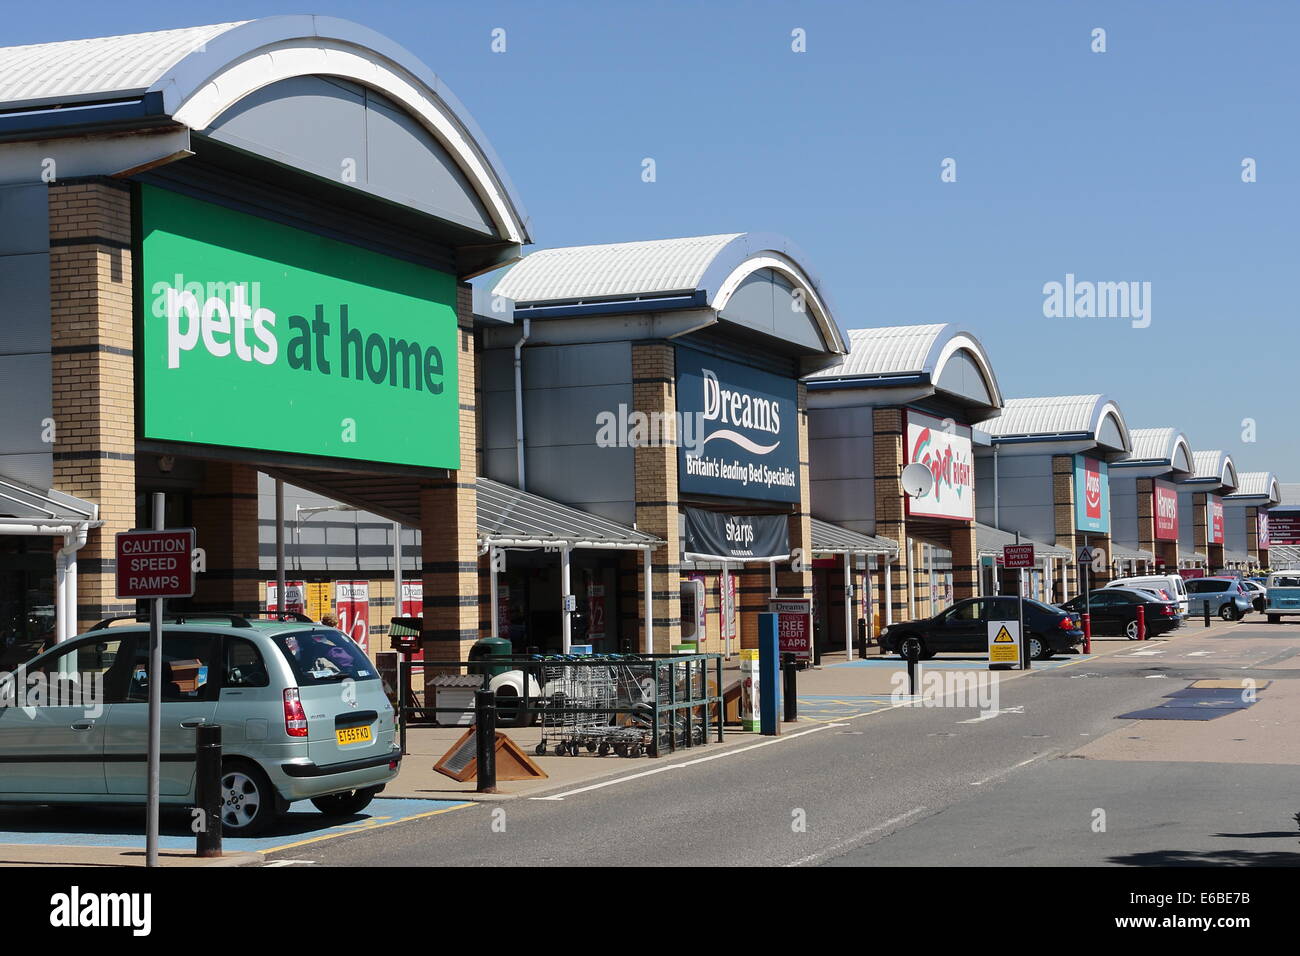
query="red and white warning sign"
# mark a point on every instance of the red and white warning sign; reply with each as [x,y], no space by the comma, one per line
[155,564]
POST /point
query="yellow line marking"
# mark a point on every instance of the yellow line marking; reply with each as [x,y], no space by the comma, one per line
[361,829]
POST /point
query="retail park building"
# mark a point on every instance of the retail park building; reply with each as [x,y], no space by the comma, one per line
[237,265]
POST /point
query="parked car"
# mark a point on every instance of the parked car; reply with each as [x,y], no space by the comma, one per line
[1171,584]
[1114,611]
[302,710]
[1257,593]
[964,627]
[1226,596]
[1283,589]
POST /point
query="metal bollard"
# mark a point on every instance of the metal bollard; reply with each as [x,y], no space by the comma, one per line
[1206,607]
[485,740]
[1087,633]
[912,653]
[1142,623]
[207,788]
[789,681]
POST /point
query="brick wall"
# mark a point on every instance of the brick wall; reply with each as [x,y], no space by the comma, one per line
[92,337]
[654,390]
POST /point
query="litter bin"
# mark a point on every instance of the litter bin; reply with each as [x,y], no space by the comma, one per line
[483,652]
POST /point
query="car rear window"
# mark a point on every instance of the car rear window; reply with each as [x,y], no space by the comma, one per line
[1206,586]
[323,656]
[1288,581]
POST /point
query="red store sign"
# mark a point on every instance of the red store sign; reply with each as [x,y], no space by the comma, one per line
[1214,518]
[155,564]
[1164,506]
[793,626]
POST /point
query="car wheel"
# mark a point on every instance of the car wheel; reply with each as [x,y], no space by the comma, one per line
[1228,612]
[1038,649]
[1131,630]
[911,645]
[247,800]
[345,804]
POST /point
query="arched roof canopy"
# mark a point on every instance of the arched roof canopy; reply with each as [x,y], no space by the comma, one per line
[942,360]
[1261,487]
[1215,469]
[759,281]
[1162,451]
[199,77]
[1064,418]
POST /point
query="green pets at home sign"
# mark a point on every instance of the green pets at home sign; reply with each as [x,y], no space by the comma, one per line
[258,335]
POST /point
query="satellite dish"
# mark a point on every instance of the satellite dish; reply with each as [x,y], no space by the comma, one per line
[918,481]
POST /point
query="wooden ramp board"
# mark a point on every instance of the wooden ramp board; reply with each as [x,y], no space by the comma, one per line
[461,761]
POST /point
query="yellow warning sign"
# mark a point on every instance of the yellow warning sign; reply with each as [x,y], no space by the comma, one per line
[1004,642]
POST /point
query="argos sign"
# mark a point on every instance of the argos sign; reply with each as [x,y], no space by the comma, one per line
[944,447]
[259,335]
[1091,495]
[1164,505]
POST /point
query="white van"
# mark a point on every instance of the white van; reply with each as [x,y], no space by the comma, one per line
[1172,583]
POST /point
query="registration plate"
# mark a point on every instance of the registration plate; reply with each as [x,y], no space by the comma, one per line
[353,735]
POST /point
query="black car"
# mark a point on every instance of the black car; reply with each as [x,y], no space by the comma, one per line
[1114,611]
[964,627]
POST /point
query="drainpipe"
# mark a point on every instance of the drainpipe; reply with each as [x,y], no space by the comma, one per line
[995,487]
[519,406]
[66,561]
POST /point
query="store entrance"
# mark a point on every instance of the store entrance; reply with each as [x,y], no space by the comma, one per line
[27,615]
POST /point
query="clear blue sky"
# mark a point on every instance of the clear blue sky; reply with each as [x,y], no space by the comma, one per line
[1124,165]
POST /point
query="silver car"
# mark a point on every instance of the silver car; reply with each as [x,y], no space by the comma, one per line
[302,710]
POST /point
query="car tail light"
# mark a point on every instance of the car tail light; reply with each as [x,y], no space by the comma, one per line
[1066,624]
[295,718]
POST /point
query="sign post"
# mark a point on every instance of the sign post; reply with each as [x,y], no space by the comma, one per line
[155,565]
[1018,556]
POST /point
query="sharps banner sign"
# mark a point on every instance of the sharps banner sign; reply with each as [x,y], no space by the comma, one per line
[720,537]
[259,335]
[739,430]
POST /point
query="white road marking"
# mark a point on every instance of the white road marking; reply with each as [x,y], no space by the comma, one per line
[1199,653]
[1003,773]
[291,862]
[990,714]
[687,763]
[854,840]
[1157,676]
[1144,653]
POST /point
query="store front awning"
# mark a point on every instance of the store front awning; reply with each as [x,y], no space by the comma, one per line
[1236,557]
[1120,553]
[990,540]
[22,504]
[830,538]
[508,517]
[1285,556]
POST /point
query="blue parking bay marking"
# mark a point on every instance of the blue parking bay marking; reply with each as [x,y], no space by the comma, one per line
[822,708]
[124,826]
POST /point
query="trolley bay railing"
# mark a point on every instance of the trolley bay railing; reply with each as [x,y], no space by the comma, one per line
[626,704]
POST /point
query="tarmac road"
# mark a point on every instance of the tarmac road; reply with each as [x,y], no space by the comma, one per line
[938,785]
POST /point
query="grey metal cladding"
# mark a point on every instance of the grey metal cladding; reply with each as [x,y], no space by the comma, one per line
[832,458]
[36,470]
[961,376]
[330,127]
[567,416]
[853,422]
[25,304]
[850,502]
[319,122]
[24,219]
[765,301]
[602,363]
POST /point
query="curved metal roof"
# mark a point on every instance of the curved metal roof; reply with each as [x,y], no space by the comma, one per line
[1215,465]
[1056,415]
[1157,444]
[907,350]
[200,72]
[709,267]
[1257,484]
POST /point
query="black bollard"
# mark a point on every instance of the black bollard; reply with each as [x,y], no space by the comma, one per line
[485,739]
[789,674]
[913,652]
[1206,608]
[207,788]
